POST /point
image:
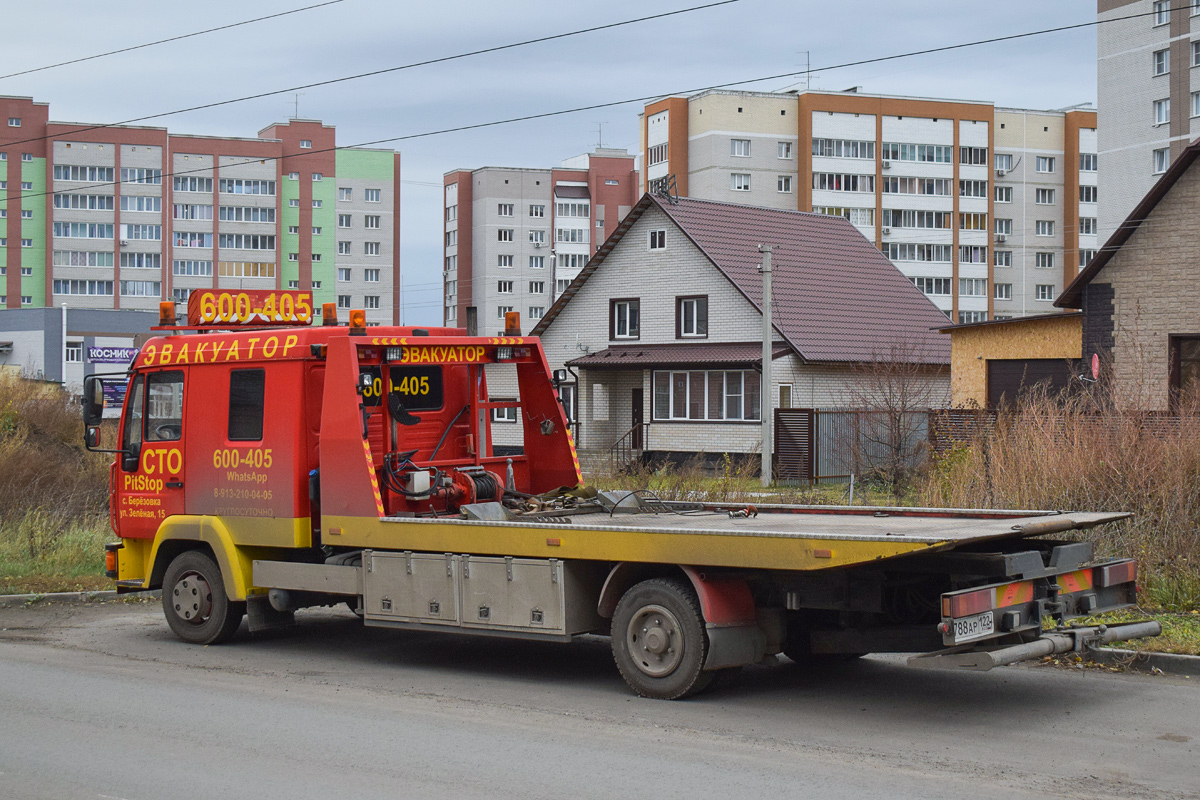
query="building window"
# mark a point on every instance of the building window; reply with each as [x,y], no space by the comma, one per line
[27,299]
[785,150]
[317,176]
[1085,256]
[26,272]
[1087,194]
[27,186]
[505,209]
[504,235]
[293,176]
[1004,226]
[317,203]
[293,230]
[972,254]
[343,220]
[197,268]
[502,310]
[343,301]
[14,122]
[691,317]
[574,209]
[1162,111]
[972,287]
[1003,291]
[972,155]
[306,143]
[1044,291]
[1003,194]
[343,248]
[316,230]
[537,236]
[972,222]
[371,301]
[656,154]
[1162,160]
[624,322]
[504,261]
[939,253]
[370,248]
[537,211]
[846,148]
[1162,12]
[972,189]
[658,240]
[294,203]
[1195,104]
[784,184]
[504,287]
[293,256]
[1087,162]
[1044,164]
[969,317]
[1003,258]
[561,285]
[739,147]
[26,213]
[739,181]
[537,262]
[1044,197]
[371,222]
[1087,226]
[537,287]
[1184,370]
[537,312]
[835,182]
[1196,52]
[1044,227]
[371,275]
[27,156]
[343,274]
[711,395]
[1162,62]
[345,194]
[1003,162]
[1043,260]
[371,195]
[74,353]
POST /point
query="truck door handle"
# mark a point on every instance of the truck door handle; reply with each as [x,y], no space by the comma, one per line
[174,484]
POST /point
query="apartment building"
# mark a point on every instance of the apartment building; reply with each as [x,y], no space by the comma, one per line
[515,238]
[122,217]
[980,207]
[1148,86]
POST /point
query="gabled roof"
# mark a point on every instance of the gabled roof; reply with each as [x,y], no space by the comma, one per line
[836,297]
[1072,296]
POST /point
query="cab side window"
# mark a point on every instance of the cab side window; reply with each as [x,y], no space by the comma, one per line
[164,407]
[246,389]
[133,416]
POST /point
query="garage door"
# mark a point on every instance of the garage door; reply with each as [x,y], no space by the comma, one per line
[1010,379]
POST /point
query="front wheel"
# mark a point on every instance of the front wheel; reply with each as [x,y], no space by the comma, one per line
[658,640]
[194,601]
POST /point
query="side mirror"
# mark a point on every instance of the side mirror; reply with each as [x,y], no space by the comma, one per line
[93,401]
[91,437]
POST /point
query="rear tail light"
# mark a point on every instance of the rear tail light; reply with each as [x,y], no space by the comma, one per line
[1114,574]
[110,559]
[964,605]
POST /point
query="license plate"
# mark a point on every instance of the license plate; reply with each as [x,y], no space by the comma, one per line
[974,627]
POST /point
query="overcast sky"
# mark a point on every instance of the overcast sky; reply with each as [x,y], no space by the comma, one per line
[744,40]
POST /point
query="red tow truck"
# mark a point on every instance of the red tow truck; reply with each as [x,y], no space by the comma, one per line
[266,464]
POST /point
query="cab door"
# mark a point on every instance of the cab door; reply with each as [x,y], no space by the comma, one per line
[151,469]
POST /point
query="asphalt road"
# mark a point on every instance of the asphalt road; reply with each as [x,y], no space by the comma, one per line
[102,702]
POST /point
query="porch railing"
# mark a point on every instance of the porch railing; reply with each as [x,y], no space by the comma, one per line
[628,450]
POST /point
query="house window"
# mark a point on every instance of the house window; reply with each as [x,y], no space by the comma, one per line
[739,147]
[1043,227]
[568,394]
[508,414]
[1044,197]
[1185,369]
[1162,12]
[345,194]
[1162,111]
[739,181]
[1003,291]
[785,150]
[505,209]
[371,195]
[708,395]
[1044,164]
[785,395]
[1043,260]
[623,319]
[1003,194]
[74,354]
[1044,291]
[658,240]
[1162,160]
[784,184]
[1162,62]
[504,235]
[691,317]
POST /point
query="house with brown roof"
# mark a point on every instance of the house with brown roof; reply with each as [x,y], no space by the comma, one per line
[1138,324]
[661,333]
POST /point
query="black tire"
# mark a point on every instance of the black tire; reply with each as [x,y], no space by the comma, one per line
[194,600]
[664,662]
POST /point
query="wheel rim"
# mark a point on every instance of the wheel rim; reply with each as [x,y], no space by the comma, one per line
[191,597]
[655,641]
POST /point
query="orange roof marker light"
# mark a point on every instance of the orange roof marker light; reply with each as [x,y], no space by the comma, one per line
[329,314]
[512,323]
[166,312]
[358,322]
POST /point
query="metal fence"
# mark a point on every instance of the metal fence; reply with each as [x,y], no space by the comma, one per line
[814,445]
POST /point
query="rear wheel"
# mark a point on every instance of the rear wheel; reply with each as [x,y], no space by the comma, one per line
[658,640]
[194,601]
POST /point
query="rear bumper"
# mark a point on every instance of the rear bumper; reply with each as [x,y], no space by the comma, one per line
[1065,640]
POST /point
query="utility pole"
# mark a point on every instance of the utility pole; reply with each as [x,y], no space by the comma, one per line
[764,392]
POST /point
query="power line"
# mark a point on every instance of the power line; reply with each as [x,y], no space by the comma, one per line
[171,39]
[386,70]
[644,98]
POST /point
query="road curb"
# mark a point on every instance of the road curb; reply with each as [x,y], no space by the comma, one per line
[1146,661]
[10,600]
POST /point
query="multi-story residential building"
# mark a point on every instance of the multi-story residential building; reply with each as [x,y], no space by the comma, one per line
[1148,87]
[122,217]
[979,206]
[515,238]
